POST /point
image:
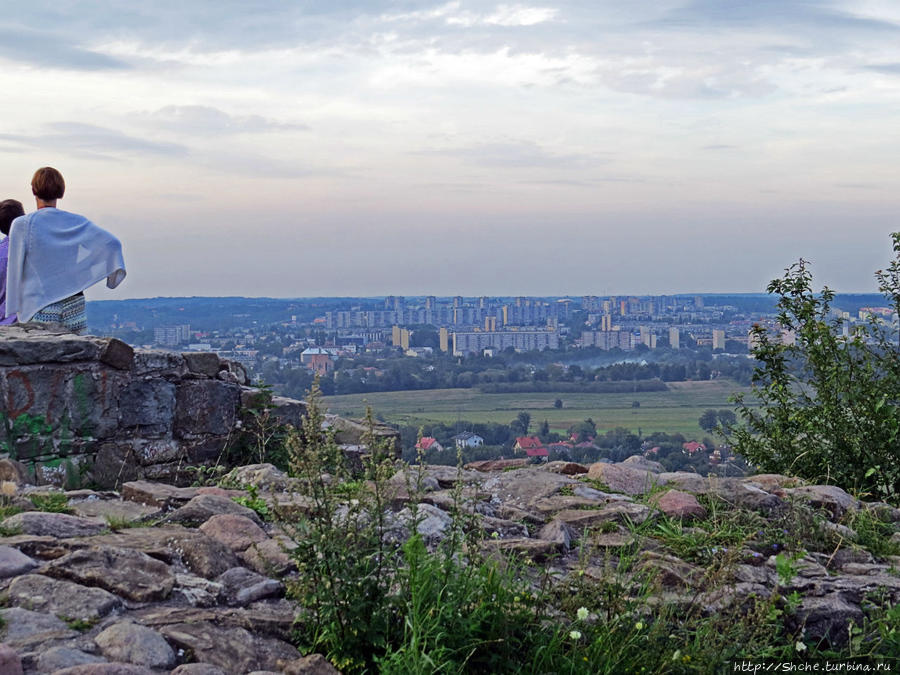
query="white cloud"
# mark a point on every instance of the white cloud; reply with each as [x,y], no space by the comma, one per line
[505,15]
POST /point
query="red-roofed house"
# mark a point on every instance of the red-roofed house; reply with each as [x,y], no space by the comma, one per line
[526,442]
[537,452]
[427,443]
[693,447]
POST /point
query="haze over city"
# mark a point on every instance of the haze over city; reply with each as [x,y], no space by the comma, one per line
[367,148]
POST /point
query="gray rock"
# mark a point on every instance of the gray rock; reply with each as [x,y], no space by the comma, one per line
[205,407]
[57,658]
[159,362]
[235,650]
[147,405]
[112,510]
[25,628]
[641,462]
[132,643]
[34,346]
[586,492]
[678,504]
[202,363]
[446,476]
[524,487]
[844,556]
[10,663]
[504,528]
[620,513]
[59,525]
[105,669]
[432,524]
[197,591]
[236,532]
[629,480]
[130,574]
[536,549]
[241,586]
[62,598]
[356,433]
[13,471]
[314,664]
[827,617]
[262,476]
[271,556]
[559,533]
[160,495]
[206,556]
[197,669]
[204,506]
[829,497]
[13,562]
[753,574]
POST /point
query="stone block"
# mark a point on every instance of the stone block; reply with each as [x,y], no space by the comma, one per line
[288,410]
[202,363]
[159,495]
[81,401]
[13,471]
[63,472]
[21,347]
[168,472]
[30,447]
[158,451]
[234,369]
[353,432]
[160,363]
[148,405]
[205,450]
[115,463]
[205,407]
[118,355]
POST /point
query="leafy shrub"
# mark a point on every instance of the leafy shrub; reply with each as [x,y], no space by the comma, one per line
[260,437]
[371,604]
[828,406]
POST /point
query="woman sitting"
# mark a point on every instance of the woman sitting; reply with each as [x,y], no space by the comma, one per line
[54,256]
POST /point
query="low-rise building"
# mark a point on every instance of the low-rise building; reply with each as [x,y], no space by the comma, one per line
[468,440]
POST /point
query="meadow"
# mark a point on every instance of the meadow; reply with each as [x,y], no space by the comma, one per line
[674,411]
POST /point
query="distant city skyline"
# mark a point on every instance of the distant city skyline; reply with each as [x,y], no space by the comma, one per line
[409,147]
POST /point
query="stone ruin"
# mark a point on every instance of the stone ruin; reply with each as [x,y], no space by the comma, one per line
[79,410]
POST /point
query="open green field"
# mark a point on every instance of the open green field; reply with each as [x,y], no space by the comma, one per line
[673,411]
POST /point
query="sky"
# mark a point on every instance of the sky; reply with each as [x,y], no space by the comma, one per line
[407,147]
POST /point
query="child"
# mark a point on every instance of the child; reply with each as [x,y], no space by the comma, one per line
[10,209]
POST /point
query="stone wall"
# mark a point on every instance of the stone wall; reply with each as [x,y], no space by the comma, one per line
[82,410]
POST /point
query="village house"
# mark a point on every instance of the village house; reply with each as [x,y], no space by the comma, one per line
[428,443]
[692,448]
[467,439]
[525,443]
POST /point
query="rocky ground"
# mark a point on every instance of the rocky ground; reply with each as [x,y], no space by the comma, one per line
[160,579]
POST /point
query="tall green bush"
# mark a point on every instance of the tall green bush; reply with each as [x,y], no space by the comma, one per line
[828,402]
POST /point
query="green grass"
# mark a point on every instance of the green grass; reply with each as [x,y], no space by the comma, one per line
[53,502]
[674,411]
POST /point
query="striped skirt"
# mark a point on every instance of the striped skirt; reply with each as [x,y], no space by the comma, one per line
[69,312]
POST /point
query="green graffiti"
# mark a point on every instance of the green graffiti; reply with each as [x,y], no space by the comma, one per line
[82,405]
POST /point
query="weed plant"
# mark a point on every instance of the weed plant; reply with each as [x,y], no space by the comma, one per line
[52,502]
[376,596]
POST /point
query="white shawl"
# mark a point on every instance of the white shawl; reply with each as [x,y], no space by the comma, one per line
[54,254]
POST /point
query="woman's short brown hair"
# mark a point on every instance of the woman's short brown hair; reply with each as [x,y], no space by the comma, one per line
[48,184]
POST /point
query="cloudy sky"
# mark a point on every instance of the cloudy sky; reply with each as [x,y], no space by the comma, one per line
[367,147]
